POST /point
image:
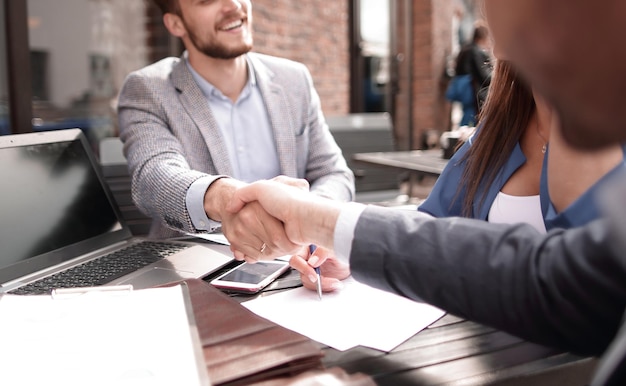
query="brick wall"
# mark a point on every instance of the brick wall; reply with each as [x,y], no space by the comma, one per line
[314,32]
[402,115]
[421,69]
[432,38]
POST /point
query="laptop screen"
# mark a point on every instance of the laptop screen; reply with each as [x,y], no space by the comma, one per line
[53,201]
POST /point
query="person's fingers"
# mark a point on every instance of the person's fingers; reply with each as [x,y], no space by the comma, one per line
[329,284]
[319,257]
[299,183]
[239,256]
[248,244]
[303,261]
[246,194]
[256,234]
[254,224]
[333,267]
[290,206]
[277,199]
[300,264]
[251,259]
[277,239]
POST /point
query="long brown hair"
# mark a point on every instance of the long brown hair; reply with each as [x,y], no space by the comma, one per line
[502,120]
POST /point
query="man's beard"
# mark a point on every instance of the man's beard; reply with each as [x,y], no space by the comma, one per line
[216,50]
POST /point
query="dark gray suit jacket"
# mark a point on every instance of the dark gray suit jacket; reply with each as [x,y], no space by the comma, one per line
[566,289]
[171,137]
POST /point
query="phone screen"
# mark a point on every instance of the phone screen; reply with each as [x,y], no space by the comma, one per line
[251,273]
[251,277]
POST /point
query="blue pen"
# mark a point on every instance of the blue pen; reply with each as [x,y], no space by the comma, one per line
[312,249]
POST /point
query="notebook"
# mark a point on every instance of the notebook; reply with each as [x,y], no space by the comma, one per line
[58,220]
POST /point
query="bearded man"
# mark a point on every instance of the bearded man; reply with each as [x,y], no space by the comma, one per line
[197,127]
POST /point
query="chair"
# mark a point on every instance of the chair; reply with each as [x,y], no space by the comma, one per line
[115,171]
[364,133]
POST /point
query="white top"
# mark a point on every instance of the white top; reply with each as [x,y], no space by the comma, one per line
[507,209]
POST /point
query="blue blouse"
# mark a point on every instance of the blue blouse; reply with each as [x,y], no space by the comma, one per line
[441,201]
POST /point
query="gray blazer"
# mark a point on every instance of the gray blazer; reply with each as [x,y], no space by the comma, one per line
[171,137]
[566,289]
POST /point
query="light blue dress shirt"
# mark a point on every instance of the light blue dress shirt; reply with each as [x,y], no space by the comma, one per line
[249,138]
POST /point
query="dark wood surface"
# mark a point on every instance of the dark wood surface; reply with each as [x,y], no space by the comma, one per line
[417,163]
[454,351]
[421,161]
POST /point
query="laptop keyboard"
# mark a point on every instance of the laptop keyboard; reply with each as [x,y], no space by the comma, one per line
[103,269]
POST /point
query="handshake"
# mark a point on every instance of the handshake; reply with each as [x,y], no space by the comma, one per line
[271,218]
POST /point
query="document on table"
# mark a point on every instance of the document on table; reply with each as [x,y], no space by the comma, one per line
[356,315]
[102,337]
[216,237]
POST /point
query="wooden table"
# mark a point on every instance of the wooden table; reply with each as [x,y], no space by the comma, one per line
[454,351]
[417,162]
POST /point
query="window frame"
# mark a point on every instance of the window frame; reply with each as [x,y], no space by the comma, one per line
[18,66]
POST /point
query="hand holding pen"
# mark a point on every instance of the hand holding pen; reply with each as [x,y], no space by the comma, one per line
[312,249]
[332,271]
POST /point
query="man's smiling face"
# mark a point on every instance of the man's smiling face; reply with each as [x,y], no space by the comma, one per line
[218,28]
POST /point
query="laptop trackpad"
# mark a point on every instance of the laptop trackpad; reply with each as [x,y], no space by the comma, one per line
[156,276]
[194,262]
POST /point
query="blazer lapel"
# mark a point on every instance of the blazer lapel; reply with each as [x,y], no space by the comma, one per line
[278,110]
[196,105]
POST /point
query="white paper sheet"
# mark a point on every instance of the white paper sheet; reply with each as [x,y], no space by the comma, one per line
[123,338]
[356,315]
[216,237]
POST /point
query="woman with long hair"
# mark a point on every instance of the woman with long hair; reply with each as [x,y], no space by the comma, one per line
[517,168]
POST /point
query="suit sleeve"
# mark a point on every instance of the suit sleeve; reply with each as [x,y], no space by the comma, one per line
[326,169]
[446,197]
[160,173]
[565,289]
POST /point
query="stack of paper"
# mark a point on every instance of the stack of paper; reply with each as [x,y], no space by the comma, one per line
[100,336]
[356,315]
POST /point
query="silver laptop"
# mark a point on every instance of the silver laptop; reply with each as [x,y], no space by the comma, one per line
[60,227]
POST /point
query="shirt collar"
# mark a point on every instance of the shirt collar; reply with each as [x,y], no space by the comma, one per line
[210,90]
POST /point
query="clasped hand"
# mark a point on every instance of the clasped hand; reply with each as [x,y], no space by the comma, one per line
[253,233]
[284,209]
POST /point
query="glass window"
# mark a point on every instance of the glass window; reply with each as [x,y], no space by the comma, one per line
[4,86]
[375,46]
[81,51]
[375,24]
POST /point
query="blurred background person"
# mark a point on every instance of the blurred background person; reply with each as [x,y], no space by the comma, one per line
[474,60]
